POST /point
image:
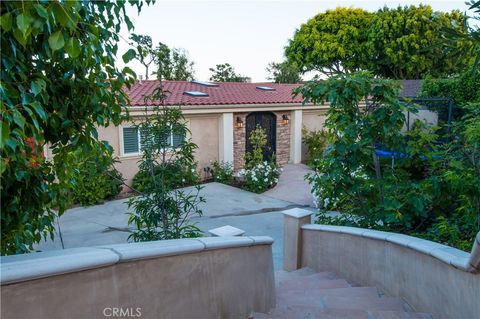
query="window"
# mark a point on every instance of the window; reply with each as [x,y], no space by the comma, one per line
[196,93]
[133,140]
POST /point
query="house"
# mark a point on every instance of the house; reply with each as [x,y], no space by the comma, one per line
[220,117]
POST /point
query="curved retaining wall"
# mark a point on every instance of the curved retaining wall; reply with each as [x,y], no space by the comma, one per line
[212,277]
[432,277]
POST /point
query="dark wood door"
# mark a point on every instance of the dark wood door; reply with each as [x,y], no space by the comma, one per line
[267,121]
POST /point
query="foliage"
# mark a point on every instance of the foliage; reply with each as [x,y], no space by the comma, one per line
[407,43]
[173,64]
[176,174]
[145,52]
[162,210]
[261,177]
[58,82]
[470,33]
[331,42]
[421,186]
[400,43]
[226,73]
[259,174]
[284,72]
[258,141]
[462,88]
[95,178]
[316,142]
[222,172]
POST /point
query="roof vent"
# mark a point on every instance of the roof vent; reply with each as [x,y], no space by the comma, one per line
[265,88]
[205,83]
[195,93]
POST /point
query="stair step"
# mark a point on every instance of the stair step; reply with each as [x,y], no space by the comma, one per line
[313,283]
[385,314]
[302,296]
[363,303]
[302,312]
[282,275]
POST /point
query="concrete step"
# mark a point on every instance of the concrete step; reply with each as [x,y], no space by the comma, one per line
[282,275]
[363,303]
[305,296]
[304,312]
[385,314]
[313,282]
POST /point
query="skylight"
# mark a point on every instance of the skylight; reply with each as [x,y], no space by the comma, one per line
[205,83]
[195,93]
[265,88]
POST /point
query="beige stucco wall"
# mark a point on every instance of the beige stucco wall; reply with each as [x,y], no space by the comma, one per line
[399,265]
[205,130]
[221,278]
[204,133]
[312,121]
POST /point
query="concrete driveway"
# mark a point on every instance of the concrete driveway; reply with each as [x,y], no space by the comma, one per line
[225,205]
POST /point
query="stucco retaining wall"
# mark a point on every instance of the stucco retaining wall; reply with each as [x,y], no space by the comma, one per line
[433,278]
[221,277]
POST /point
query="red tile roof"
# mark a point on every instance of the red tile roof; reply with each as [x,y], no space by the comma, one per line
[226,93]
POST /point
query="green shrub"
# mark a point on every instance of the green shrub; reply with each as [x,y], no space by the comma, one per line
[316,142]
[94,178]
[430,188]
[174,173]
[222,172]
[259,174]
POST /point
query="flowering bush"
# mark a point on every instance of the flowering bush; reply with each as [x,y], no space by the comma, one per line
[261,177]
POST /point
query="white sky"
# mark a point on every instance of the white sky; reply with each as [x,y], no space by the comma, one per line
[246,34]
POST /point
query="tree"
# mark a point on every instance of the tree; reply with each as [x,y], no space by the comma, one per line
[331,42]
[284,72]
[145,52]
[407,43]
[400,43]
[226,73]
[173,64]
[162,209]
[58,82]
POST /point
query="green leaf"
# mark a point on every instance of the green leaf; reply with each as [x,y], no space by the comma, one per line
[37,86]
[5,133]
[19,119]
[73,47]
[6,22]
[56,41]
[41,10]
[23,22]
[129,55]
[20,37]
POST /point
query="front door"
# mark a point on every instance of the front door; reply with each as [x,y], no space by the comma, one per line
[267,121]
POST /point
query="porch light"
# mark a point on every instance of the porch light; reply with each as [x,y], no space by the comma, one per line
[285,119]
[238,122]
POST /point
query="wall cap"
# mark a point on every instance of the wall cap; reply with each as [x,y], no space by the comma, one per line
[449,255]
[36,265]
[297,212]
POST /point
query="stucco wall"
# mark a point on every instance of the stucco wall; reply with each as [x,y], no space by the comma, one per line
[187,278]
[205,131]
[312,121]
[432,277]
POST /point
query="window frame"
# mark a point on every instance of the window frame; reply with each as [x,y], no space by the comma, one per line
[139,153]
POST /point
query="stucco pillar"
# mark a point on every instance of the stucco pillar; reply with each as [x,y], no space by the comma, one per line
[293,220]
[474,262]
[225,138]
[296,137]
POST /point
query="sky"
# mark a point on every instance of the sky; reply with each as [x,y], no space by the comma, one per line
[247,34]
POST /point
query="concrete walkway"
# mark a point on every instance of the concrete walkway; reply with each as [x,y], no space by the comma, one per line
[225,205]
[256,214]
[292,186]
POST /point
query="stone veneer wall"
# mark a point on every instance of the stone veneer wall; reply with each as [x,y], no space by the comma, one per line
[282,140]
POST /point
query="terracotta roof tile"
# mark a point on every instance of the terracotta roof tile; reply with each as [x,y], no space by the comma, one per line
[227,93]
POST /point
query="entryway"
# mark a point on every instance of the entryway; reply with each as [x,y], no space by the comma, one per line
[267,121]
